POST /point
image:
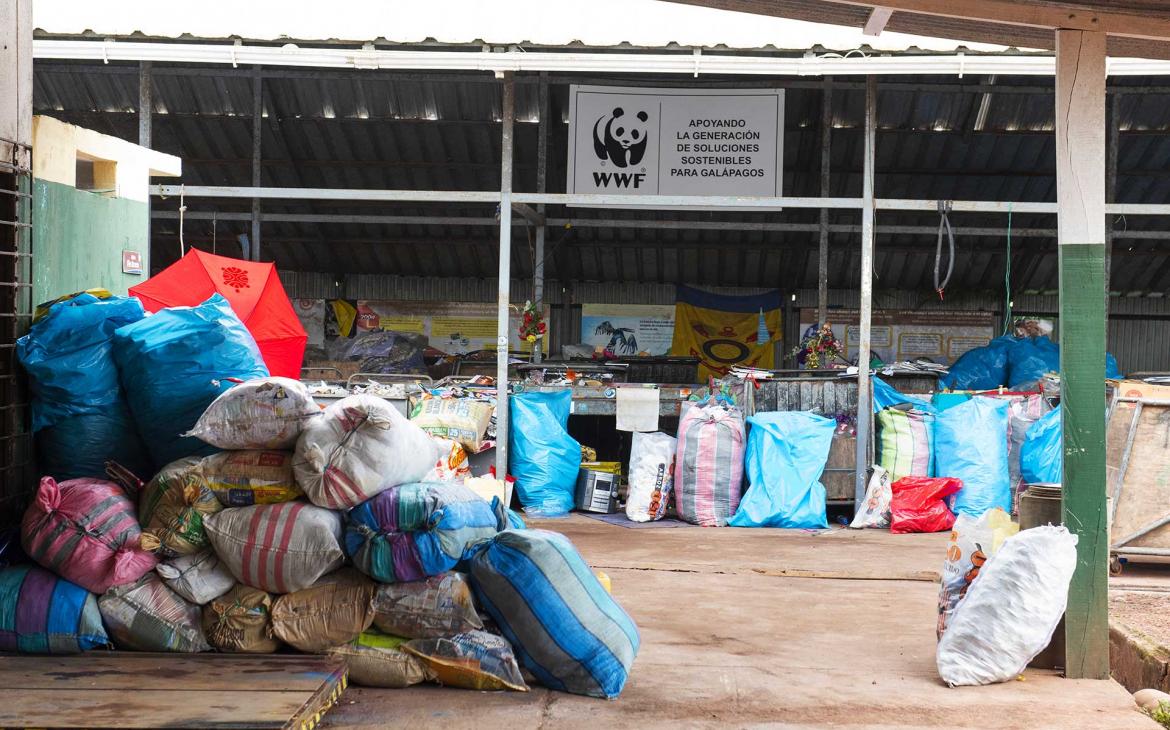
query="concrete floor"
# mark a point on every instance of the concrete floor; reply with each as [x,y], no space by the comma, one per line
[729,640]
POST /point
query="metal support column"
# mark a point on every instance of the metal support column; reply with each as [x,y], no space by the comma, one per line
[864,387]
[257,118]
[823,248]
[1080,194]
[505,278]
[541,183]
[145,120]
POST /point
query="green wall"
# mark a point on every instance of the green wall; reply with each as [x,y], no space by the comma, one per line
[78,239]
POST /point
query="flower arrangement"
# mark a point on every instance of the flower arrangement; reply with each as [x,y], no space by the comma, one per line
[532,326]
[818,347]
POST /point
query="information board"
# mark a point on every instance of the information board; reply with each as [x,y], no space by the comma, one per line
[450,327]
[637,141]
[898,334]
[628,329]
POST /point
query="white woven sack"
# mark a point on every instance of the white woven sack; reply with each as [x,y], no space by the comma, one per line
[200,578]
[277,548]
[651,475]
[265,413]
[360,447]
[1011,610]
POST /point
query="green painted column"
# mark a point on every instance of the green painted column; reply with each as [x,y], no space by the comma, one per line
[1080,182]
[1082,395]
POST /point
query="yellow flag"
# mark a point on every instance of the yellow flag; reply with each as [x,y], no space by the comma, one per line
[723,331]
[345,313]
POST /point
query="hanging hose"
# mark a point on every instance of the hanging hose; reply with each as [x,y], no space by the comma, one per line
[944,224]
[1007,277]
[182,210]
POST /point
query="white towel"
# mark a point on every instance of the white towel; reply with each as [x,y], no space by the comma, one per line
[637,409]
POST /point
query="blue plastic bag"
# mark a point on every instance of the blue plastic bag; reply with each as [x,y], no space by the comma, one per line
[886,395]
[174,363]
[1042,455]
[544,458]
[971,444]
[786,454]
[80,415]
[982,368]
[1029,359]
[1112,369]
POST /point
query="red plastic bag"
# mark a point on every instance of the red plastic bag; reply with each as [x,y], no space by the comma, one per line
[919,506]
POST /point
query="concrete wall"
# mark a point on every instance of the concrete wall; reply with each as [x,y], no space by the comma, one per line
[79,235]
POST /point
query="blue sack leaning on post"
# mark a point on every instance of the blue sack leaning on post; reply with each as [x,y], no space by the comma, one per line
[1042,455]
[786,454]
[544,458]
[971,444]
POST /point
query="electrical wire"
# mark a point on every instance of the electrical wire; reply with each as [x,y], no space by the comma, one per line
[944,224]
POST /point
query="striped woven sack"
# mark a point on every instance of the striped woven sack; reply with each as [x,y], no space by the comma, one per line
[278,548]
[905,443]
[43,614]
[708,468]
[566,629]
[148,616]
[417,530]
[85,531]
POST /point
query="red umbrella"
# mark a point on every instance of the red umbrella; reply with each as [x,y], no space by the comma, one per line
[256,296]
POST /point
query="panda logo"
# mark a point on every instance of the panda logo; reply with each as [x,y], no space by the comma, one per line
[620,139]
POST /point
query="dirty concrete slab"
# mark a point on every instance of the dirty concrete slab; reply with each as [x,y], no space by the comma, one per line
[725,646]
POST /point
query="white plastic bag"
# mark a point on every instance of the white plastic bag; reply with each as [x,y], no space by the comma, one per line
[265,413]
[360,447]
[973,542]
[651,475]
[199,578]
[878,495]
[1009,614]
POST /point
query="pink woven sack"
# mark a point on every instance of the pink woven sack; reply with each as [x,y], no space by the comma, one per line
[86,531]
[708,466]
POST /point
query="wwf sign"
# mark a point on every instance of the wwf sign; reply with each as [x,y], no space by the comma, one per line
[635,141]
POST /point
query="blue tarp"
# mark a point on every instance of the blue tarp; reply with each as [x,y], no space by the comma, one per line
[786,454]
[174,363]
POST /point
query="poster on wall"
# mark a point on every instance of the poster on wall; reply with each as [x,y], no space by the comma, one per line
[638,141]
[450,327]
[628,330]
[311,312]
[897,334]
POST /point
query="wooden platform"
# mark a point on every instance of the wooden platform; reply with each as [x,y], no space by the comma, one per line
[130,690]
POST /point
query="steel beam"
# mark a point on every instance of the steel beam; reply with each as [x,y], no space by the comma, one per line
[504,301]
[865,315]
[823,248]
[543,119]
[529,213]
[257,128]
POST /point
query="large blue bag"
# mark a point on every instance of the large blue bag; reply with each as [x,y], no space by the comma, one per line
[982,368]
[1029,359]
[565,627]
[43,614]
[786,454]
[174,363]
[544,458]
[1042,455]
[886,395]
[80,415]
[971,444]
[1112,369]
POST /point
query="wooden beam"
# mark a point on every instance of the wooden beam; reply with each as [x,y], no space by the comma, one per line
[1080,190]
[876,23]
[1148,25]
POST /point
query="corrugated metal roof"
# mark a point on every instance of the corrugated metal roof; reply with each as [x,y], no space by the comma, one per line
[420,131]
